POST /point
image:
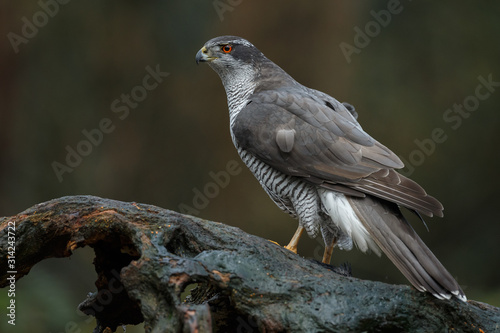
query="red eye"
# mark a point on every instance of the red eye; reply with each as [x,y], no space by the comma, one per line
[226,48]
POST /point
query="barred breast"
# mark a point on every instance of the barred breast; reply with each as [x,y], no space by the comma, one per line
[292,195]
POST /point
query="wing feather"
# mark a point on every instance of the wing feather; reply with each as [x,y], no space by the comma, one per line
[314,136]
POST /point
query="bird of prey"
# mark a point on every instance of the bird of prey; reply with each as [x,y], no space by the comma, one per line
[314,160]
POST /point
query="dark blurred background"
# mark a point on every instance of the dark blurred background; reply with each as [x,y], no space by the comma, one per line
[406,66]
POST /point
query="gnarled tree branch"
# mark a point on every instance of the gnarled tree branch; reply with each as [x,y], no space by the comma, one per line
[146,256]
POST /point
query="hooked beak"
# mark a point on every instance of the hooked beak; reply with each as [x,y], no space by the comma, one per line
[203,55]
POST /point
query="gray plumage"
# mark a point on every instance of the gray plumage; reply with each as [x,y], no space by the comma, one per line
[316,163]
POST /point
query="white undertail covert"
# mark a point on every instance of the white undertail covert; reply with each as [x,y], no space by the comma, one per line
[342,214]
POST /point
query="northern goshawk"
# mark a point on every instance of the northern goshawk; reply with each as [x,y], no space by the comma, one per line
[316,163]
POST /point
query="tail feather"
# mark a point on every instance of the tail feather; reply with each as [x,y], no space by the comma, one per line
[397,239]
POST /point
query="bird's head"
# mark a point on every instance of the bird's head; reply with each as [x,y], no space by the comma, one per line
[228,51]
[240,64]
[233,58]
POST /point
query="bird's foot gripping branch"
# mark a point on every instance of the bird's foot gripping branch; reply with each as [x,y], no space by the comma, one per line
[147,257]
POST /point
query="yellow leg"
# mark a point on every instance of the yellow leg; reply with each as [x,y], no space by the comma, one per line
[327,255]
[292,246]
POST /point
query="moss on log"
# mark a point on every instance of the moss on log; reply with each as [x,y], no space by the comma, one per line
[148,258]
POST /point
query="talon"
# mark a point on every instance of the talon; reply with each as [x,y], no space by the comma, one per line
[274,242]
[291,248]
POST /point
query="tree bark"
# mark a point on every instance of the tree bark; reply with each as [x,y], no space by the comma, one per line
[149,258]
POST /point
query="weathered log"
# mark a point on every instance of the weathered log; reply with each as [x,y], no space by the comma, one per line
[146,257]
